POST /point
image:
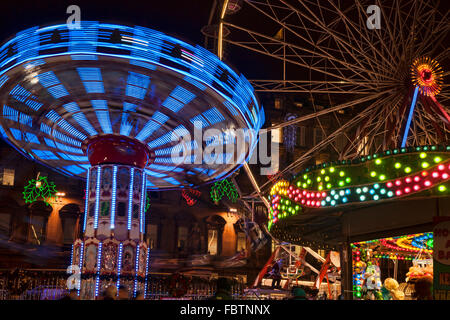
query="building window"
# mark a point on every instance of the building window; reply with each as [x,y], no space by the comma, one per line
[7,177]
[241,241]
[37,222]
[301,137]
[38,225]
[182,238]
[152,236]
[277,103]
[69,225]
[341,142]
[212,241]
[363,148]
[5,224]
[322,253]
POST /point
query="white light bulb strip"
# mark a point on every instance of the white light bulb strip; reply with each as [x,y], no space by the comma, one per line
[137,270]
[119,265]
[97,197]
[143,199]
[114,197]
[86,202]
[146,272]
[130,198]
[71,256]
[99,255]
[81,264]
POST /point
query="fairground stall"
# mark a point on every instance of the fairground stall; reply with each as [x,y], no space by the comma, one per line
[388,268]
[376,210]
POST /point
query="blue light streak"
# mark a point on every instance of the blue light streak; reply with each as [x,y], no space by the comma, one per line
[143,196]
[145,46]
[213,116]
[411,111]
[10,113]
[153,124]
[101,110]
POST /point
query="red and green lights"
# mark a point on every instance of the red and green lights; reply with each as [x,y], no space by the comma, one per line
[393,174]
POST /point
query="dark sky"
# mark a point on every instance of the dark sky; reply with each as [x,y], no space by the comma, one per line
[182,19]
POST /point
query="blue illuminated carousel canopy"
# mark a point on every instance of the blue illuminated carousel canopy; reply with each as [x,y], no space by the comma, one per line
[60,86]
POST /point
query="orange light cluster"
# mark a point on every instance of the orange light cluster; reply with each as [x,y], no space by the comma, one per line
[426,73]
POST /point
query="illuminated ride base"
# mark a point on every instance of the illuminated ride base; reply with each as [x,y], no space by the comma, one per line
[119,106]
[388,176]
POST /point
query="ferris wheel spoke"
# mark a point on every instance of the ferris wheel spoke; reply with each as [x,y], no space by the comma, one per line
[440,35]
[314,19]
[300,61]
[352,66]
[419,127]
[308,31]
[307,155]
[355,102]
[373,120]
[349,25]
[334,87]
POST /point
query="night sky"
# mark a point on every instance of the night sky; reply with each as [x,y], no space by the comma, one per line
[182,19]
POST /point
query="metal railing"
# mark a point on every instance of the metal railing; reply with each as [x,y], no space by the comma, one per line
[33,284]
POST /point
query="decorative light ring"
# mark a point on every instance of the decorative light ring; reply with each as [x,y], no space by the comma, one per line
[427,74]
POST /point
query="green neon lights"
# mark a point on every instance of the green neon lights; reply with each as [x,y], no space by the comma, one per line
[224,188]
[39,187]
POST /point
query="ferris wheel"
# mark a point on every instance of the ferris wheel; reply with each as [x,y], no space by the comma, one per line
[382,62]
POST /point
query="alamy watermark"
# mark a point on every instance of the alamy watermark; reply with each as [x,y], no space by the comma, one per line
[74,280]
[73,21]
[374,20]
[222,147]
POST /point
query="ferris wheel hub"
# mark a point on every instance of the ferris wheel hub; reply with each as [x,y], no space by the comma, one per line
[426,74]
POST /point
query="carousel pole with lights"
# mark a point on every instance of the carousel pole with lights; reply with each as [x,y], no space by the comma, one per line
[114,216]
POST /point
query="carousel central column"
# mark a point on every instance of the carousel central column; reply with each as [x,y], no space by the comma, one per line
[112,250]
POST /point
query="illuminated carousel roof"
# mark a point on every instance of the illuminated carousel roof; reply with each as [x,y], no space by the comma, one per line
[60,87]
